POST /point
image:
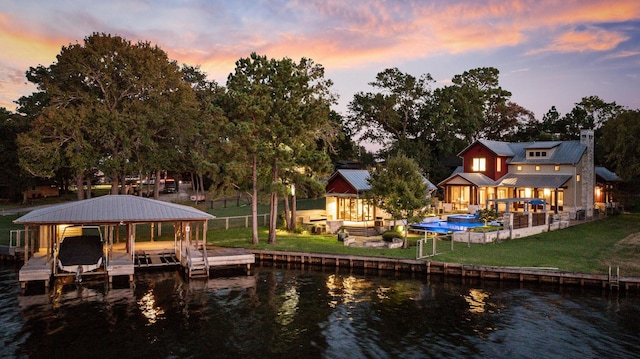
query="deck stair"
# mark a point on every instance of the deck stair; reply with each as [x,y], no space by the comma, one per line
[362,231]
[197,263]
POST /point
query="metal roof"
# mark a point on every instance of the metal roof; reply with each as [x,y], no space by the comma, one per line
[359,179]
[538,181]
[477,179]
[567,152]
[606,175]
[498,147]
[113,209]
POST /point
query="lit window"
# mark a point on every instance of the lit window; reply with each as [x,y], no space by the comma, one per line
[537,168]
[498,165]
[519,168]
[556,168]
[479,164]
[577,178]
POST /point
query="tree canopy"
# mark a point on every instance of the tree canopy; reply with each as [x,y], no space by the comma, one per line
[400,189]
[109,105]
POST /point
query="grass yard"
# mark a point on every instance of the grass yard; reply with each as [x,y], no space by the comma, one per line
[586,248]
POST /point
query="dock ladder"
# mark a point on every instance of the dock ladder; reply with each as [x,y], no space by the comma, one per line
[614,279]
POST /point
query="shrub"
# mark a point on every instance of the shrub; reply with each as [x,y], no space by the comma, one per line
[388,236]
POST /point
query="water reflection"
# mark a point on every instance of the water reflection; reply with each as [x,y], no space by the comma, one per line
[278,313]
[149,309]
[476,299]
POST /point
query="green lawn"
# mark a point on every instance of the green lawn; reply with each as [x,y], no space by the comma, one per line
[586,248]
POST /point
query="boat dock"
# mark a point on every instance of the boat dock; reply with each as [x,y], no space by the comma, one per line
[160,254]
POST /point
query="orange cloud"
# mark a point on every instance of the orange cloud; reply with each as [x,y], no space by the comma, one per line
[591,39]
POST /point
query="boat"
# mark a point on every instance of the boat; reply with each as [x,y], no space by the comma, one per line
[80,250]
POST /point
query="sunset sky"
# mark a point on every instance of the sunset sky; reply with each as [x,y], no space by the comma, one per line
[548,52]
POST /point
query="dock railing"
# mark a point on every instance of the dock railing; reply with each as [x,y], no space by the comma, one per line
[15,238]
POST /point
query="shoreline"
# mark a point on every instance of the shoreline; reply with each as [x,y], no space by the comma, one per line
[470,271]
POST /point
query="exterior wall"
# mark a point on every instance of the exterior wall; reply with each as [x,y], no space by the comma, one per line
[339,186]
[559,222]
[331,208]
[480,151]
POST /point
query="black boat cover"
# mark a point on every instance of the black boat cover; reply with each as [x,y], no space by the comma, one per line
[80,250]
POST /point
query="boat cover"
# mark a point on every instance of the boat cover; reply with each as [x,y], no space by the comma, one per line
[80,251]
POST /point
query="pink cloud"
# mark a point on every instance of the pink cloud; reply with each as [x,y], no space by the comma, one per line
[590,39]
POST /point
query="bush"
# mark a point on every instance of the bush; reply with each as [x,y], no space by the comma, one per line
[388,236]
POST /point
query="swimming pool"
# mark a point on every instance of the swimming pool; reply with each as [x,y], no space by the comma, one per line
[445,226]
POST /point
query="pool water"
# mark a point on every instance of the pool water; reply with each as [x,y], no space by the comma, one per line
[446,226]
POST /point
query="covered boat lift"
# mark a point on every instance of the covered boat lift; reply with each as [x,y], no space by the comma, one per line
[44,228]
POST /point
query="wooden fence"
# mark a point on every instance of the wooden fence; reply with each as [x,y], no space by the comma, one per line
[237,222]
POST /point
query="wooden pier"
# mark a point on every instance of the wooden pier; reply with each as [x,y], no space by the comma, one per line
[147,255]
[521,274]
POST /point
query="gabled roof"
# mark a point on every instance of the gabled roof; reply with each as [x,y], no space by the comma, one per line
[566,152]
[358,179]
[113,209]
[477,179]
[607,175]
[498,147]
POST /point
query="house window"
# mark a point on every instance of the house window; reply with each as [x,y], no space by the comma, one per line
[498,165]
[544,153]
[577,178]
[519,168]
[537,168]
[556,168]
[530,153]
[479,164]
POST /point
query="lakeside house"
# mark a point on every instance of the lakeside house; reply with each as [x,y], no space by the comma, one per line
[559,175]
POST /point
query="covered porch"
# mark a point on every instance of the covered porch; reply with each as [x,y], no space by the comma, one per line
[472,191]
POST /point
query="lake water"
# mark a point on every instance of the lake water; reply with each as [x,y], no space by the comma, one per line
[278,313]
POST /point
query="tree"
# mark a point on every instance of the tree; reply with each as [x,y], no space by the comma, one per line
[478,102]
[591,112]
[400,189]
[511,122]
[207,149]
[110,105]
[279,109]
[621,143]
[391,115]
[13,180]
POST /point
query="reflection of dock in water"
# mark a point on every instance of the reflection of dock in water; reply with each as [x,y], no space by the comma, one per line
[225,283]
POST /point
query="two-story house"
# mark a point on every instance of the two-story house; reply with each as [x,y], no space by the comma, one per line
[509,175]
